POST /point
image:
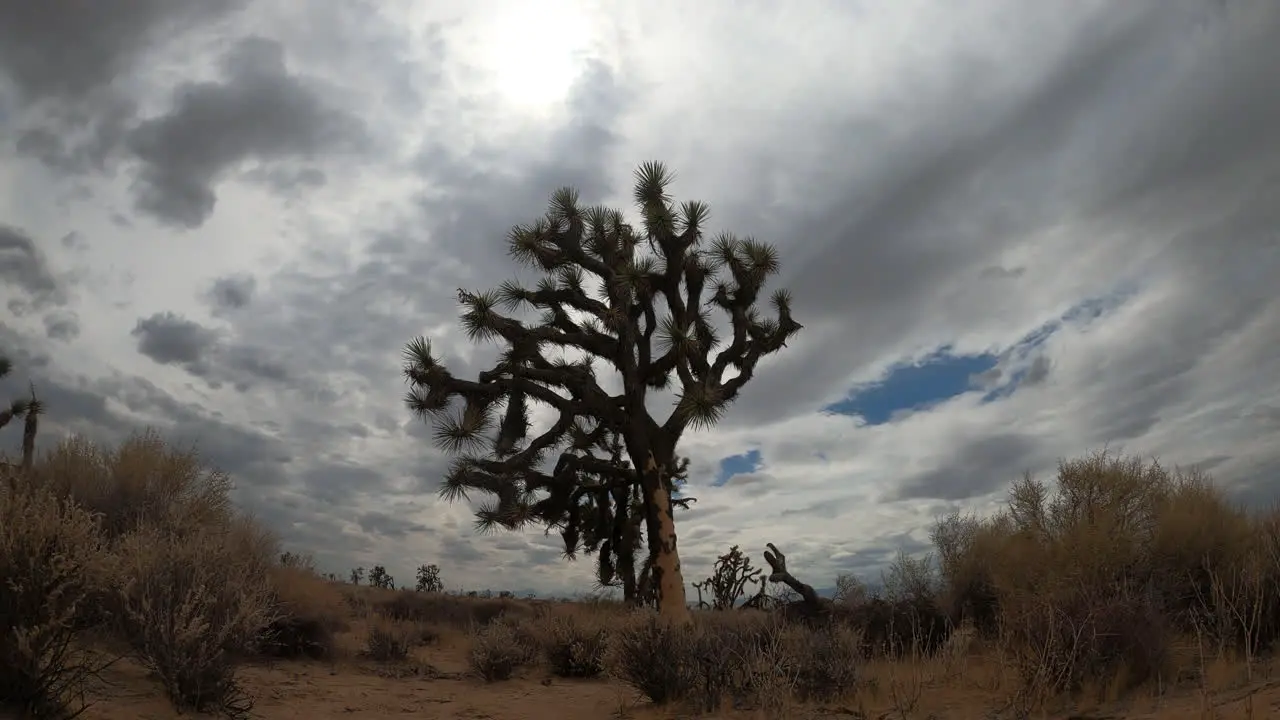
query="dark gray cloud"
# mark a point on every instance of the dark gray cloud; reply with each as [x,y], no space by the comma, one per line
[74,241]
[62,325]
[231,292]
[170,339]
[981,467]
[79,404]
[338,483]
[462,549]
[64,48]
[69,62]
[259,111]
[25,267]
[1038,372]
[384,524]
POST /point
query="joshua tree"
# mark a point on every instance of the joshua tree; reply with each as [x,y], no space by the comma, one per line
[357,574]
[429,578]
[29,409]
[729,580]
[607,289]
[379,578]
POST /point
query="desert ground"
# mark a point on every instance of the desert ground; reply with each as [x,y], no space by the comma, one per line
[436,680]
[135,589]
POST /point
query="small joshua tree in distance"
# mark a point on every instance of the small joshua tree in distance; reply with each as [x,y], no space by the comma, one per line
[429,578]
[29,409]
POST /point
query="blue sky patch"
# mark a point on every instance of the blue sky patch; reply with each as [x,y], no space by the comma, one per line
[938,377]
[749,461]
[943,374]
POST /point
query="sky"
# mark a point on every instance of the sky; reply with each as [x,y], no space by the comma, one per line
[1015,232]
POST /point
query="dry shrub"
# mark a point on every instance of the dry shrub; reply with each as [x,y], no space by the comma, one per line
[754,659]
[966,550]
[1072,638]
[53,562]
[308,611]
[497,651]
[357,603]
[449,610]
[193,604]
[1090,581]
[907,627]
[654,657]
[824,662]
[575,648]
[143,482]
[389,641]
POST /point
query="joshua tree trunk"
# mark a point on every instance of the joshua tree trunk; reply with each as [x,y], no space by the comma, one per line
[667,577]
[29,429]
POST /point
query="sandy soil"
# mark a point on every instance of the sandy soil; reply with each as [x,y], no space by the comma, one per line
[435,684]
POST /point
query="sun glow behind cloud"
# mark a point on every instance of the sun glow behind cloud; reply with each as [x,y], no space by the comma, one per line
[533,53]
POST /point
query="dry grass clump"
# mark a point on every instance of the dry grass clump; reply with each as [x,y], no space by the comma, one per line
[389,641]
[824,665]
[498,650]
[1091,582]
[445,609]
[575,648]
[142,540]
[750,659]
[308,611]
[53,562]
[142,483]
[193,604]
[635,650]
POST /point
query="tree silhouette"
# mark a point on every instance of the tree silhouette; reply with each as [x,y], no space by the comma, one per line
[635,301]
[429,579]
[379,578]
[29,409]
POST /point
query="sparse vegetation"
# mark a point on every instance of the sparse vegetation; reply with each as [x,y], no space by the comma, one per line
[379,578]
[389,641]
[307,612]
[54,563]
[192,604]
[498,650]
[1121,578]
[576,648]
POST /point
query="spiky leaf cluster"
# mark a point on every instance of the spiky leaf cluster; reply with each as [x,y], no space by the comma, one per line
[637,300]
